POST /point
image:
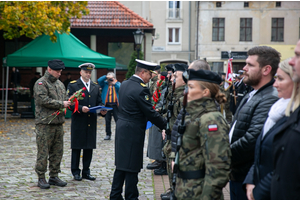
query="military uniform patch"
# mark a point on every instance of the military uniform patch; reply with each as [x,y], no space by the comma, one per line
[40,83]
[147,97]
[142,84]
[72,81]
[213,127]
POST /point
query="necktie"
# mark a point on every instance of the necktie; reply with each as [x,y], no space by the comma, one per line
[87,86]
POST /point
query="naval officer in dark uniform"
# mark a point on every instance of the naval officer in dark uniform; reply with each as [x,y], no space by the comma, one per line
[84,123]
[135,110]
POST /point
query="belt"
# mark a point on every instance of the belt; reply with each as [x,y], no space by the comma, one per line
[191,174]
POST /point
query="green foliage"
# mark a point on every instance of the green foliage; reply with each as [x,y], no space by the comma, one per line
[34,18]
[132,63]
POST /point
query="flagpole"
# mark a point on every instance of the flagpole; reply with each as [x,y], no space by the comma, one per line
[233,85]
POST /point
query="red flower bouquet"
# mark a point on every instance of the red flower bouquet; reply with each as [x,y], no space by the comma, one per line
[157,94]
[78,95]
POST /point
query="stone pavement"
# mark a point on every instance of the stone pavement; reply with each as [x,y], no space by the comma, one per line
[18,179]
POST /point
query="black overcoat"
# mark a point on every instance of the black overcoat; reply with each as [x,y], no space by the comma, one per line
[260,174]
[286,158]
[84,125]
[135,110]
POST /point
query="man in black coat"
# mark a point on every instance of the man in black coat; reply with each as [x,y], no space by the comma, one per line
[135,110]
[286,155]
[84,123]
[261,66]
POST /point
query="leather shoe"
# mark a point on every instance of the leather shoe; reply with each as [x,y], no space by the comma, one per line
[154,165]
[162,170]
[166,196]
[89,177]
[107,137]
[42,183]
[77,177]
[56,181]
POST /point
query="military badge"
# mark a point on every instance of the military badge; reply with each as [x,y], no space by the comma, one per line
[142,84]
[147,97]
[213,127]
[40,83]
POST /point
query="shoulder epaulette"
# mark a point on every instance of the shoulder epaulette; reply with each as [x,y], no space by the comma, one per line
[95,82]
[144,85]
[73,81]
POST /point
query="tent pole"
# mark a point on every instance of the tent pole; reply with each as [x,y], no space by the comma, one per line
[3,71]
[6,96]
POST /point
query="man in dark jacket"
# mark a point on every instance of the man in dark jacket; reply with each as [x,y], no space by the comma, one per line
[84,123]
[286,155]
[261,66]
[135,110]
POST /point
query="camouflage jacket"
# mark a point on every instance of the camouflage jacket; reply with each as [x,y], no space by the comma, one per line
[49,94]
[152,87]
[177,104]
[205,145]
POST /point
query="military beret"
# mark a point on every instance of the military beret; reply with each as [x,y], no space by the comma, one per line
[204,75]
[164,74]
[223,73]
[157,68]
[180,67]
[169,67]
[87,66]
[56,64]
[146,65]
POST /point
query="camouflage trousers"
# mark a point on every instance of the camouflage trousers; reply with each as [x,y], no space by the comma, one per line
[167,151]
[49,140]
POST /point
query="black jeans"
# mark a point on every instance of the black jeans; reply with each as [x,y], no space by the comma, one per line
[108,116]
[131,181]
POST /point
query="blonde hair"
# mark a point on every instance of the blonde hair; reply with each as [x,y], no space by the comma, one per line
[295,98]
[214,91]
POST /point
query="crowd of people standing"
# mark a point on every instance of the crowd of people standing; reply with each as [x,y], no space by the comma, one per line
[202,135]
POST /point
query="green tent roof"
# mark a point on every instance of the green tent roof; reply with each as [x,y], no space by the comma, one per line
[68,48]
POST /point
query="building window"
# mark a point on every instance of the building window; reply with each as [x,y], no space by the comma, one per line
[218,4]
[174,9]
[246,4]
[218,29]
[278,3]
[217,67]
[245,29]
[174,35]
[277,29]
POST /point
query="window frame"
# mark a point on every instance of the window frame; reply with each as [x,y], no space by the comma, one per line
[246,27]
[277,29]
[277,4]
[174,35]
[218,28]
[173,10]
[218,4]
[246,4]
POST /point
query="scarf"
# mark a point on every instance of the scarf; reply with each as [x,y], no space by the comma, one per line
[276,112]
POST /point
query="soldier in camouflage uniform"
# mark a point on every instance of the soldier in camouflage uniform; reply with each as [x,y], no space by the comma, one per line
[50,96]
[204,157]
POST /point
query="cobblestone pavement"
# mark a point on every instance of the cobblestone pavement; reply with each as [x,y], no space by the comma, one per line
[18,179]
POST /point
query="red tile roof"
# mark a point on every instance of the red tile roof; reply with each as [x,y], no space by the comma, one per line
[110,14]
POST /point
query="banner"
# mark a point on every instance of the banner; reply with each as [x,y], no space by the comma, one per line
[229,75]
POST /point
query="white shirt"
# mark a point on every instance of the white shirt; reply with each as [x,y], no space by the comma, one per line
[138,77]
[87,85]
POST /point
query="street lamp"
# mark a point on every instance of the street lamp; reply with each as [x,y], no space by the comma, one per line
[138,39]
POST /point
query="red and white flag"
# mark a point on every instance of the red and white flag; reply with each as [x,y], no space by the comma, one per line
[229,75]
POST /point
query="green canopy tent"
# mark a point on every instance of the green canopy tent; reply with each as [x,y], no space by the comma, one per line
[68,48]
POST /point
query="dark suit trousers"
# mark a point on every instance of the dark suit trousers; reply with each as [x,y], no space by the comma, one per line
[108,116]
[236,191]
[131,190]
[86,161]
